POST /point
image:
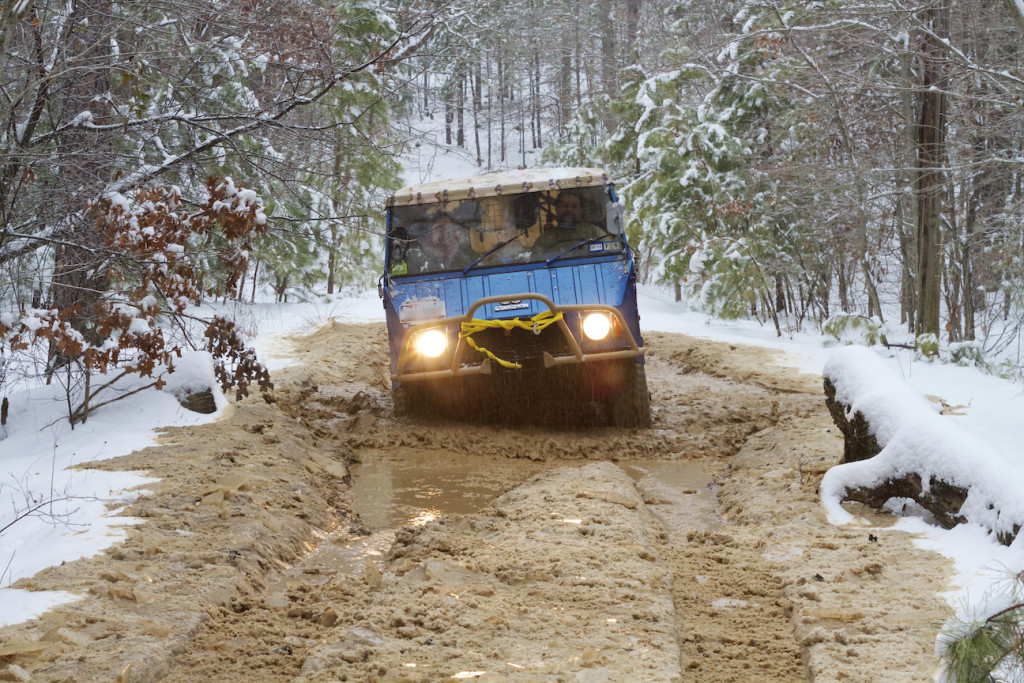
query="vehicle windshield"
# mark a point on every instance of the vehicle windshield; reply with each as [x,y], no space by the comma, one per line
[503,230]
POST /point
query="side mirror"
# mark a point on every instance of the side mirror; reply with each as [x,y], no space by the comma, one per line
[614,216]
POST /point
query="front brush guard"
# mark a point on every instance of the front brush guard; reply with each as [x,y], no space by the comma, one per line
[456,367]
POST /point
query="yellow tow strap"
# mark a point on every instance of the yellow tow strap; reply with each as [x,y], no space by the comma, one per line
[534,324]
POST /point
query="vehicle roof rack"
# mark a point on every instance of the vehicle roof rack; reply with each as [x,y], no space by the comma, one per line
[499,183]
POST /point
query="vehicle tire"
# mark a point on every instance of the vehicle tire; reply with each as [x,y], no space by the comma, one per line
[447,399]
[631,407]
[410,399]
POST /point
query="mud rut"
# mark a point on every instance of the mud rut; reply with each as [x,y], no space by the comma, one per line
[248,560]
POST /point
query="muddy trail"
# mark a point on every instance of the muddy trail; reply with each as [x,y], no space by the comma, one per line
[321,538]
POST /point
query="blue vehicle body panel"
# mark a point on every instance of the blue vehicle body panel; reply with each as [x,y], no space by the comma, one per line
[601,282]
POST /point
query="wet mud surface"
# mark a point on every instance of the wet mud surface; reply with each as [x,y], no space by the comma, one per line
[322,538]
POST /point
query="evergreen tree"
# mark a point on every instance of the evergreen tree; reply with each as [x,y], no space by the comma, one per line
[989,646]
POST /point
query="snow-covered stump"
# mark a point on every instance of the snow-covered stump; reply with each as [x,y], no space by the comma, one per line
[898,445]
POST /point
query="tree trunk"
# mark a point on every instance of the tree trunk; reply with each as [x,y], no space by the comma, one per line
[489,116]
[578,49]
[477,101]
[426,92]
[239,290]
[942,498]
[608,63]
[632,29]
[460,110]
[873,304]
[536,118]
[79,270]
[904,223]
[532,78]
[255,273]
[564,110]
[769,310]
[332,264]
[844,289]
[826,288]
[928,185]
[448,120]
[780,295]
[951,280]
[522,126]
[501,108]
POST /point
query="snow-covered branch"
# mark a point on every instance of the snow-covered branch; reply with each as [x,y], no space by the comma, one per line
[205,131]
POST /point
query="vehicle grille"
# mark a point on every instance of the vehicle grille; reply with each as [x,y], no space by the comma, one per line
[519,345]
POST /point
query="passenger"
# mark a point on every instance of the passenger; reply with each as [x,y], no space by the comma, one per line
[570,229]
[453,242]
[443,246]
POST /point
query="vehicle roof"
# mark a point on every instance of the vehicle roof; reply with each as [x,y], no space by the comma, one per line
[499,183]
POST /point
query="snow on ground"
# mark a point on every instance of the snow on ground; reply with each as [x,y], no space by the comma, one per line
[269,323]
[41,447]
[54,513]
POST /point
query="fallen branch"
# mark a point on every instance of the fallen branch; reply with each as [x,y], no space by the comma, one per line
[36,510]
[898,445]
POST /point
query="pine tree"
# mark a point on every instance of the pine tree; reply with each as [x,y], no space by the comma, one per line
[990,646]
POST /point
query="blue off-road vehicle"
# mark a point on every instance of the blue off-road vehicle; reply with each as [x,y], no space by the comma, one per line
[513,291]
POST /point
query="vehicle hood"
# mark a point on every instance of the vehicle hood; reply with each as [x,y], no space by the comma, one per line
[452,294]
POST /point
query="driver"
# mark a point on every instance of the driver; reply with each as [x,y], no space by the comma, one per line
[570,228]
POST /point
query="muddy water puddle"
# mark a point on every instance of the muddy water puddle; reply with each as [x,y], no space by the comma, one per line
[394,488]
[330,559]
[401,487]
[417,486]
[682,493]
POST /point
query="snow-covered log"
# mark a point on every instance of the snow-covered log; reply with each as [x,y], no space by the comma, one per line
[898,445]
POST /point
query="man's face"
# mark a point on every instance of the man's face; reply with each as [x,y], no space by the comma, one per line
[445,236]
[568,210]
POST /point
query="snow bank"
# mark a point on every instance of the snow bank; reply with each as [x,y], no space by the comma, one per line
[916,439]
[52,512]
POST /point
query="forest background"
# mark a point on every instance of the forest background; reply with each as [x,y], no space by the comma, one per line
[851,166]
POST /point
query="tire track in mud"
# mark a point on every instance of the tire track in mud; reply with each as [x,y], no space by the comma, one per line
[733,622]
[662,597]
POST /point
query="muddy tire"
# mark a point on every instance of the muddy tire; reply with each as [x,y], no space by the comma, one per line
[410,399]
[631,407]
[452,399]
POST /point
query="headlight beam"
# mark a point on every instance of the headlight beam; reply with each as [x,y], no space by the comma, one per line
[431,343]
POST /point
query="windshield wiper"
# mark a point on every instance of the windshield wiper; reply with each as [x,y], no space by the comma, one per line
[493,249]
[584,243]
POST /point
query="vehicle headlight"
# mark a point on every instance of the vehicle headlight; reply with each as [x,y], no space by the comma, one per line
[597,326]
[431,343]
